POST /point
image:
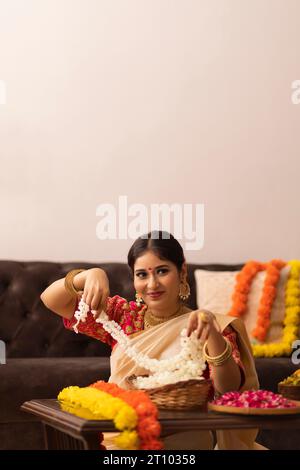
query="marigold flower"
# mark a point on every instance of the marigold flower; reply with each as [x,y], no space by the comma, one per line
[291,320]
[148,428]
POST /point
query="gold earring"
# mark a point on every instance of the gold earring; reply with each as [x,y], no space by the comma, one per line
[184,291]
[138,300]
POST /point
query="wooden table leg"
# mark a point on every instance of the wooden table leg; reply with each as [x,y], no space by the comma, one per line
[58,440]
[91,441]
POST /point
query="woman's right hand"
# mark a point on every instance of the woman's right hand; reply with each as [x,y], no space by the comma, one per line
[96,290]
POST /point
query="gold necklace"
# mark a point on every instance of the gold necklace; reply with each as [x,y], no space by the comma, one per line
[152,320]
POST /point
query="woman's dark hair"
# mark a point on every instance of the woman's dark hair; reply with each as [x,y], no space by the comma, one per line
[162,243]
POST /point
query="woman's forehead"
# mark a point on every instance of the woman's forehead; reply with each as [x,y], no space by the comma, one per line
[149,261]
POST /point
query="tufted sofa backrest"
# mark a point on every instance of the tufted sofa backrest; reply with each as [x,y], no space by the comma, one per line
[29,329]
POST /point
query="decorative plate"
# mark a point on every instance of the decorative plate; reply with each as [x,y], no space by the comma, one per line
[255,411]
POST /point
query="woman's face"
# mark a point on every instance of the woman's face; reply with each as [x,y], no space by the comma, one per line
[151,275]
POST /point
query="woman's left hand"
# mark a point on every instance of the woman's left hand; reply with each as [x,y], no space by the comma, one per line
[204,322]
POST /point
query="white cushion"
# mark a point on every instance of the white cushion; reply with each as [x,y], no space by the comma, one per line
[214,291]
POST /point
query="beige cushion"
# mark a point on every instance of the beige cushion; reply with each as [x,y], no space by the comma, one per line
[214,292]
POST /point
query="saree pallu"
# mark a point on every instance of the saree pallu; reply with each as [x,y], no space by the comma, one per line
[163,341]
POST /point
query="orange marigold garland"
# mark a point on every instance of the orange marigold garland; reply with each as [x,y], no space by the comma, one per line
[92,403]
[291,320]
[268,296]
[242,288]
[148,427]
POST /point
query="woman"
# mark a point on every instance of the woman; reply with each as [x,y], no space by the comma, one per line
[154,323]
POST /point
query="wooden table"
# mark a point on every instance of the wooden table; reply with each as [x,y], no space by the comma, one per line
[63,430]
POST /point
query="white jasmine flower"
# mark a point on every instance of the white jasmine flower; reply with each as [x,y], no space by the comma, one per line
[186,365]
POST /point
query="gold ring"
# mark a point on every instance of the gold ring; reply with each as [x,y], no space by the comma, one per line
[204,317]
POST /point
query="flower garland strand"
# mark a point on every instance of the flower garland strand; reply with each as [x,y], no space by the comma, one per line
[291,319]
[188,364]
[242,288]
[148,427]
[92,403]
[267,299]
[243,285]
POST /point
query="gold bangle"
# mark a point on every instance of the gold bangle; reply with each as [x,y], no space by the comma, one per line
[69,286]
[221,358]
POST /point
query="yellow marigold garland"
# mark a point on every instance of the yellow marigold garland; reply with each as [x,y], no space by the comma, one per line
[148,426]
[91,403]
[291,319]
[127,440]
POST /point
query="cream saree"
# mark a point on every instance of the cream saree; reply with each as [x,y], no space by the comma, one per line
[163,341]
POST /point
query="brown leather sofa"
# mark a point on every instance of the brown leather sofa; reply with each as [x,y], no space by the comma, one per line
[42,356]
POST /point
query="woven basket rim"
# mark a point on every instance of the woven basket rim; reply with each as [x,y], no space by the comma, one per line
[168,387]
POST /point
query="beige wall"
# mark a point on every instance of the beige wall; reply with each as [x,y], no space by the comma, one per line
[162,101]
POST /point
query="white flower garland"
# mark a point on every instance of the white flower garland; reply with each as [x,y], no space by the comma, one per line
[186,365]
[81,314]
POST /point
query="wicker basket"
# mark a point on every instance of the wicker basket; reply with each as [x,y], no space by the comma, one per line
[289,391]
[185,395]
